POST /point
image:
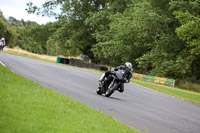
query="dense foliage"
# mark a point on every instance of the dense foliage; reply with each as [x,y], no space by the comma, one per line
[7,32]
[161,38]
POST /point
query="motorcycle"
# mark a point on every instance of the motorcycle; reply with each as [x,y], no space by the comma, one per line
[112,83]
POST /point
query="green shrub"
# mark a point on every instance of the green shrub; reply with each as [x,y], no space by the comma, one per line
[188,86]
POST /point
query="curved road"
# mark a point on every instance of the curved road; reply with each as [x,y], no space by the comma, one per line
[139,107]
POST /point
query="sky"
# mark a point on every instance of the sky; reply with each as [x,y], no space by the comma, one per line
[16,9]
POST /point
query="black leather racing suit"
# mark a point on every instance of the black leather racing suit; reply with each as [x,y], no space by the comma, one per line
[128,75]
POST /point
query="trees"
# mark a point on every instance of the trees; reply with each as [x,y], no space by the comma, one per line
[175,53]
[187,13]
[8,32]
[158,37]
[38,38]
[73,14]
[151,38]
[131,33]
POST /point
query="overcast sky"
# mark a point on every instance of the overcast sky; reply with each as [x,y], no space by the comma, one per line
[16,9]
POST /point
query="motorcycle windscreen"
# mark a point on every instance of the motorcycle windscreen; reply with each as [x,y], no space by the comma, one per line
[120,74]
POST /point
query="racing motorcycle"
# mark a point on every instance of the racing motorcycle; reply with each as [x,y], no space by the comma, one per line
[112,83]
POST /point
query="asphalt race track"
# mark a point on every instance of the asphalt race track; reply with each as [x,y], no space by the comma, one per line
[139,107]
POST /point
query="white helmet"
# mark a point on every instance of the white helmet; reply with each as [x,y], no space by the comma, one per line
[128,65]
[3,39]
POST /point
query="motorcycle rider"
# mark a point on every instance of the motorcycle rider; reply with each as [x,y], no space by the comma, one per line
[127,67]
[2,43]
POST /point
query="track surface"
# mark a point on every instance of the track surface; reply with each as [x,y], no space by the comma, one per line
[139,107]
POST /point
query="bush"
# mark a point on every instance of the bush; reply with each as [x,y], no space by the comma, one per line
[188,86]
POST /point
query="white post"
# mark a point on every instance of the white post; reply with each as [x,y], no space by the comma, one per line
[173,83]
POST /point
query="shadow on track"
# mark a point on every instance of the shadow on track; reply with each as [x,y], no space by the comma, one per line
[114,98]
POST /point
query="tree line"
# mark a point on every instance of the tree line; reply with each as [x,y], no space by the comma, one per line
[160,38]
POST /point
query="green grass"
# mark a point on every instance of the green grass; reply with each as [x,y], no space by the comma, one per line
[183,94]
[27,107]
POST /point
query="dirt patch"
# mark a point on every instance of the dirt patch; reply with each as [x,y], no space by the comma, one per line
[21,51]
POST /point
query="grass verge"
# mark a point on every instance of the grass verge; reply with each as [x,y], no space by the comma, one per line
[29,56]
[28,107]
[183,94]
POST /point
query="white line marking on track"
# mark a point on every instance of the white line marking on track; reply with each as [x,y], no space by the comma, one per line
[2,64]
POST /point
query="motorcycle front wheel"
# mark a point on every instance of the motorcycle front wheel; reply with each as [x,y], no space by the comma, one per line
[111,90]
[99,91]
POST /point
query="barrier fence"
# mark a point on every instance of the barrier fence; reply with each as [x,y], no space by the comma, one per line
[80,63]
[153,79]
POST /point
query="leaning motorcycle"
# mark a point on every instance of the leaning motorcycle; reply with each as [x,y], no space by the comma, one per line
[112,83]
